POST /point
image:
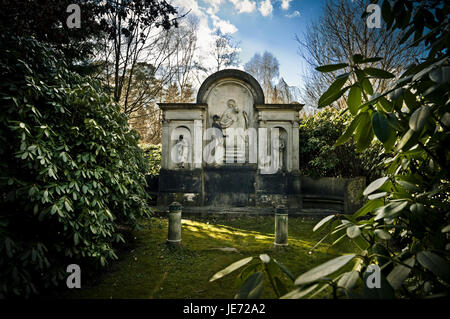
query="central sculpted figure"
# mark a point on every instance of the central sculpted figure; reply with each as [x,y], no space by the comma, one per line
[233,117]
[235,122]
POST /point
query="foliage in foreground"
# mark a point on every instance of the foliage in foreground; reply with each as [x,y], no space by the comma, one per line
[70,169]
[404,226]
[153,154]
[319,157]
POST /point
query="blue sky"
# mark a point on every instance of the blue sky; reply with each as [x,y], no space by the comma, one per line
[261,25]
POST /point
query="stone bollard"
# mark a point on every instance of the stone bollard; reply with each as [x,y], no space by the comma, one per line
[281,226]
[174,236]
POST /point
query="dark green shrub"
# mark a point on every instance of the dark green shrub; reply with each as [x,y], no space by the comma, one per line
[153,154]
[320,158]
[70,169]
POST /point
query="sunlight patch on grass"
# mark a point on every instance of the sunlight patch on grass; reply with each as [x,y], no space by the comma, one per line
[151,270]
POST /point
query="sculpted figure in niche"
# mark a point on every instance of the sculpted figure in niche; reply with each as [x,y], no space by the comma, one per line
[235,122]
[182,151]
[278,149]
[233,117]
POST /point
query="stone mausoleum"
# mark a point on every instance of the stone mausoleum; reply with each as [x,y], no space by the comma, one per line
[230,149]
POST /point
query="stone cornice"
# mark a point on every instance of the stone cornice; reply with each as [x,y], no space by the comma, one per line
[284,107]
[182,106]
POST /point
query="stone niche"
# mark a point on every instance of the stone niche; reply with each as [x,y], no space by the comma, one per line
[230,149]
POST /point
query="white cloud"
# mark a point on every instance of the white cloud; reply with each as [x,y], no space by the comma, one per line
[215,4]
[208,24]
[223,25]
[266,8]
[244,6]
[285,4]
[293,14]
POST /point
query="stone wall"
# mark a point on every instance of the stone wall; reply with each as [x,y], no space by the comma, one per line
[244,187]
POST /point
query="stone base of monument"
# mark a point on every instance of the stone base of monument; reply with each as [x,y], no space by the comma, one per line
[241,190]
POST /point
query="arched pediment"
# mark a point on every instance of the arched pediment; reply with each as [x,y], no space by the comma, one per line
[230,75]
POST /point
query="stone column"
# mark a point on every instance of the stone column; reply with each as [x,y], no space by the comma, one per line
[174,236]
[295,146]
[165,141]
[281,226]
[198,146]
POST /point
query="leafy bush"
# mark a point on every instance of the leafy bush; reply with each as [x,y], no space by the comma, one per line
[404,227]
[153,154]
[320,158]
[70,169]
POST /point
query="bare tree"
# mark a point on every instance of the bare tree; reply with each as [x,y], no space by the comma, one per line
[184,60]
[177,87]
[225,51]
[340,33]
[136,34]
[265,69]
[284,92]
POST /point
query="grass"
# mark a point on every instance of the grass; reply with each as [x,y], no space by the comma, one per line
[151,270]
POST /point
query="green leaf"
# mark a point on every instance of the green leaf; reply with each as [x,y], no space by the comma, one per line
[409,186]
[247,272]
[252,287]
[284,269]
[378,73]
[381,250]
[323,222]
[368,207]
[280,286]
[334,92]
[389,144]
[349,131]
[446,229]
[236,265]
[405,139]
[390,210]
[67,206]
[353,231]
[386,12]
[361,242]
[385,104]
[381,127]
[440,75]
[357,58]
[410,100]
[364,133]
[354,99]
[377,195]
[417,208]
[323,270]
[436,264]
[367,86]
[370,60]
[419,118]
[376,184]
[331,67]
[399,274]
[382,234]
[348,280]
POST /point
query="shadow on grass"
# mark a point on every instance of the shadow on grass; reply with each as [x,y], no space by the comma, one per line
[152,270]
